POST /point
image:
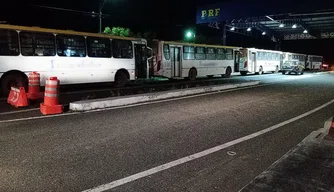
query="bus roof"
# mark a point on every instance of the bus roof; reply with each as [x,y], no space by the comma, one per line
[198,45]
[66,32]
[256,49]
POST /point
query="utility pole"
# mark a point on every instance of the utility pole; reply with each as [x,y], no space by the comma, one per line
[100,15]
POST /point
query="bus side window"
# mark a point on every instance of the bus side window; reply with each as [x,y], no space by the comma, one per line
[9,42]
[210,53]
[166,52]
[200,53]
[37,44]
[229,54]
[98,47]
[71,46]
[122,49]
[188,52]
[221,54]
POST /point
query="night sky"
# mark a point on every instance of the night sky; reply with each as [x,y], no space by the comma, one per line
[168,18]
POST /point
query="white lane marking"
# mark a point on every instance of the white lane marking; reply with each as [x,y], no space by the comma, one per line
[192,157]
[128,106]
[21,111]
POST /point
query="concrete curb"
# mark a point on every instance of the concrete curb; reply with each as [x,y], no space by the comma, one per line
[87,105]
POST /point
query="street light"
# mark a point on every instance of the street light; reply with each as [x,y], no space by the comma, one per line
[189,34]
[249,29]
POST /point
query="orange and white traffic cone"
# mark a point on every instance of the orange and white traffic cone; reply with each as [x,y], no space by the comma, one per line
[51,102]
[17,97]
[34,89]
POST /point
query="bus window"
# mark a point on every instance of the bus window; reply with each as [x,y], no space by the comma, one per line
[200,55]
[9,42]
[71,46]
[210,54]
[221,54]
[188,52]
[229,54]
[166,52]
[98,47]
[37,44]
[122,49]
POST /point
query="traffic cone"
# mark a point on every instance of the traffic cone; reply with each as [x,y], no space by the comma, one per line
[51,102]
[34,89]
[18,97]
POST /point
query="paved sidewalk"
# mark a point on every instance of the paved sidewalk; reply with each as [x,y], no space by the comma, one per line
[307,167]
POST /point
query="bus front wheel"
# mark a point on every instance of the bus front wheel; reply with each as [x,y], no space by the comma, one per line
[14,79]
[192,74]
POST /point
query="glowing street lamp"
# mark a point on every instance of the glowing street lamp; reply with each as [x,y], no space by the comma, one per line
[305,31]
[249,29]
[263,33]
[294,26]
[189,35]
[233,29]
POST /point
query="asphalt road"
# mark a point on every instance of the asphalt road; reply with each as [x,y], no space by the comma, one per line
[76,152]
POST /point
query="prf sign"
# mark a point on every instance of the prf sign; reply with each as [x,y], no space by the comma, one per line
[209,13]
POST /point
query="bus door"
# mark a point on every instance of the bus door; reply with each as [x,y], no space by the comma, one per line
[236,61]
[141,61]
[253,58]
[176,61]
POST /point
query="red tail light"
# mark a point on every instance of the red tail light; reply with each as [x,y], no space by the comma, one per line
[246,64]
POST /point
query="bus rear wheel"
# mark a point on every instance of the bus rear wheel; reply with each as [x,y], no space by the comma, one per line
[228,72]
[120,79]
[13,80]
[243,73]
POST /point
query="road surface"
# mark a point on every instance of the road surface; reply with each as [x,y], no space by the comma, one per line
[212,142]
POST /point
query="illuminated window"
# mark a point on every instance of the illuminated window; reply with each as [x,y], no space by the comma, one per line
[98,47]
[71,46]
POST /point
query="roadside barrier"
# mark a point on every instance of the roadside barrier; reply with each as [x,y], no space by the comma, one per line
[51,102]
[17,97]
[34,89]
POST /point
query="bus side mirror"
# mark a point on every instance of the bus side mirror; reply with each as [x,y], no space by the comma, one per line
[149,53]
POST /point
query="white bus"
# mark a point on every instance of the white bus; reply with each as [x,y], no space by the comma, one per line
[259,61]
[74,57]
[176,60]
[287,56]
[314,62]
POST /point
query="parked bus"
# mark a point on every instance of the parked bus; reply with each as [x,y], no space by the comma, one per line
[185,60]
[74,57]
[314,62]
[287,56]
[259,61]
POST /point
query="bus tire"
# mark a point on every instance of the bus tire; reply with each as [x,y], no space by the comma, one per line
[276,70]
[243,73]
[260,71]
[192,74]
[283,72]
[210,76]
[13,79]
[228,72]
[121,79]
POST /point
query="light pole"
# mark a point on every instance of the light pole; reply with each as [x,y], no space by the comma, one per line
[100,15]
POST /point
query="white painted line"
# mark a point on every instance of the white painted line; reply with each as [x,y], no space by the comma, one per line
[21,111]
[186,159]
[128,106]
